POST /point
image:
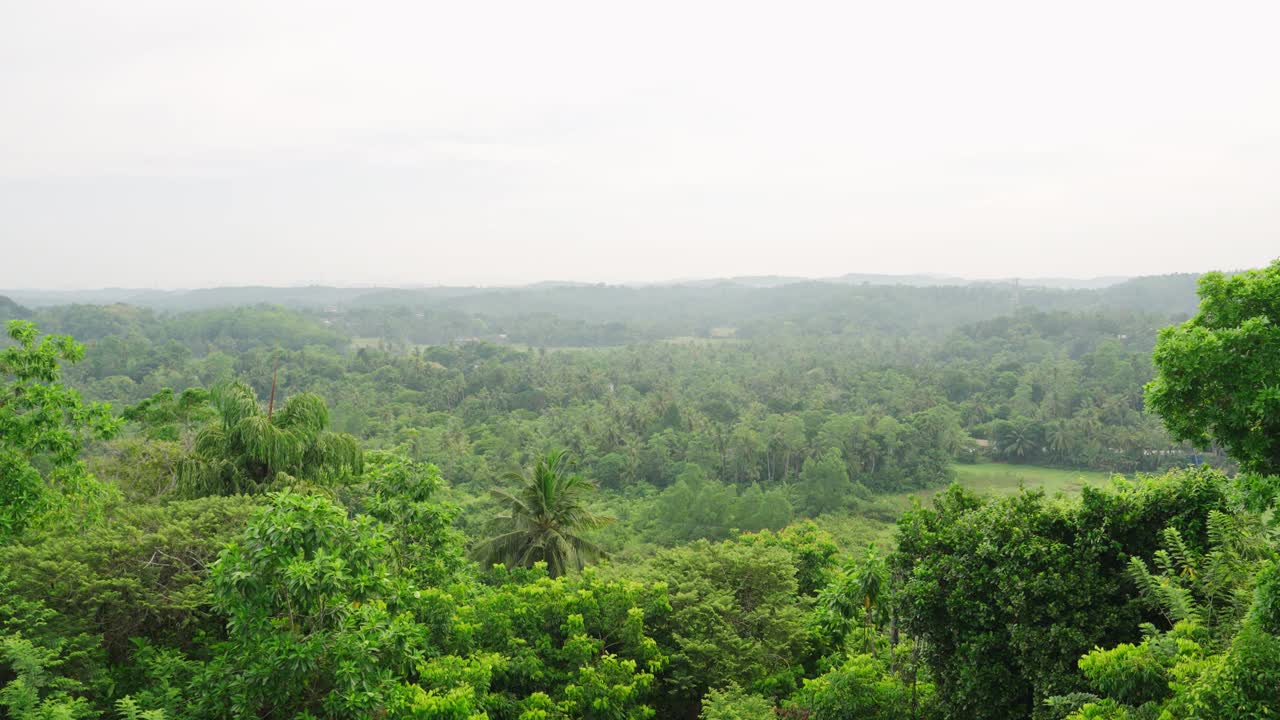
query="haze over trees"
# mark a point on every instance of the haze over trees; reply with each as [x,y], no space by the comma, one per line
[674,502]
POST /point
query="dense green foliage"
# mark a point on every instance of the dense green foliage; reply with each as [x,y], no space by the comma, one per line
[42,426]
[1219,372]
[898,400]
[1217,653]
[1007,594]
[630,518]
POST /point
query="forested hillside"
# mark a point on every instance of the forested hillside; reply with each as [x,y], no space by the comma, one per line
[571,501]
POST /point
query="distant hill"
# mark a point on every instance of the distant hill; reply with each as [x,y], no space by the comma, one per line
[103,296]
[946,281]
[1073,283]
[10,310]
[319,296]
[917,280]
[720,300]
[314,297]
[574,315]
[1156,293]
[200,299]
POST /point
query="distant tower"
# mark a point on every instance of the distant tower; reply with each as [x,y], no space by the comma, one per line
[1017,295]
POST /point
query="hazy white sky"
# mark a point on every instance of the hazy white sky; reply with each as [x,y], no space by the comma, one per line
[178,144]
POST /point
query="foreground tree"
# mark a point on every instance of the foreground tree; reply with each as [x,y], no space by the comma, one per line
[316,625]
[861,688]
[1217,382]
[1006,594]
[737,616]
[407,497]
[1218,374]
[245,448]
[544,519]
[1216,655]
[576,646]
[42,427]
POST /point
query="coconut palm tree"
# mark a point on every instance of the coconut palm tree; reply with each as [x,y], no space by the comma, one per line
[1061,439]
[544,518]
[245,448]
[1017,439]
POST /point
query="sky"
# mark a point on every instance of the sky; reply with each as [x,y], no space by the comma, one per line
[172,144]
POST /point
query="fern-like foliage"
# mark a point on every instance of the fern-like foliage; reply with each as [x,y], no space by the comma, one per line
[129,710]
[1213,590]
[1175,601]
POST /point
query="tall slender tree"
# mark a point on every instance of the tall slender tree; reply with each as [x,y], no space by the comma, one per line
[860,595]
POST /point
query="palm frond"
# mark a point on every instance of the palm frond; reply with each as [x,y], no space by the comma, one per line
[234,401]
[543,517]
[335,452]
[305,414]
[242,449]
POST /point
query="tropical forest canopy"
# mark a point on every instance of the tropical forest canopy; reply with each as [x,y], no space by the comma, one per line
[748,499]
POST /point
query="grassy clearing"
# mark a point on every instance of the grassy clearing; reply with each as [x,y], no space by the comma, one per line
[1002,479]
[1005,479]
[876,522]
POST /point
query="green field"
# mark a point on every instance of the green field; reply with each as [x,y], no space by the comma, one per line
[1002,479]
[1005,479]
[876,522]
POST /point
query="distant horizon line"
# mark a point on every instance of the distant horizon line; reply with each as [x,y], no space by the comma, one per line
[781,279]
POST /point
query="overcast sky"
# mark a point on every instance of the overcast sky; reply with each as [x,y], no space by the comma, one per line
[177,144]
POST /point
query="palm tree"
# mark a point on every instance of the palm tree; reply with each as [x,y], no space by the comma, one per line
[870,580]
[1017,438]
[1061,439]
[544,518]
[863,590]
[244,448]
